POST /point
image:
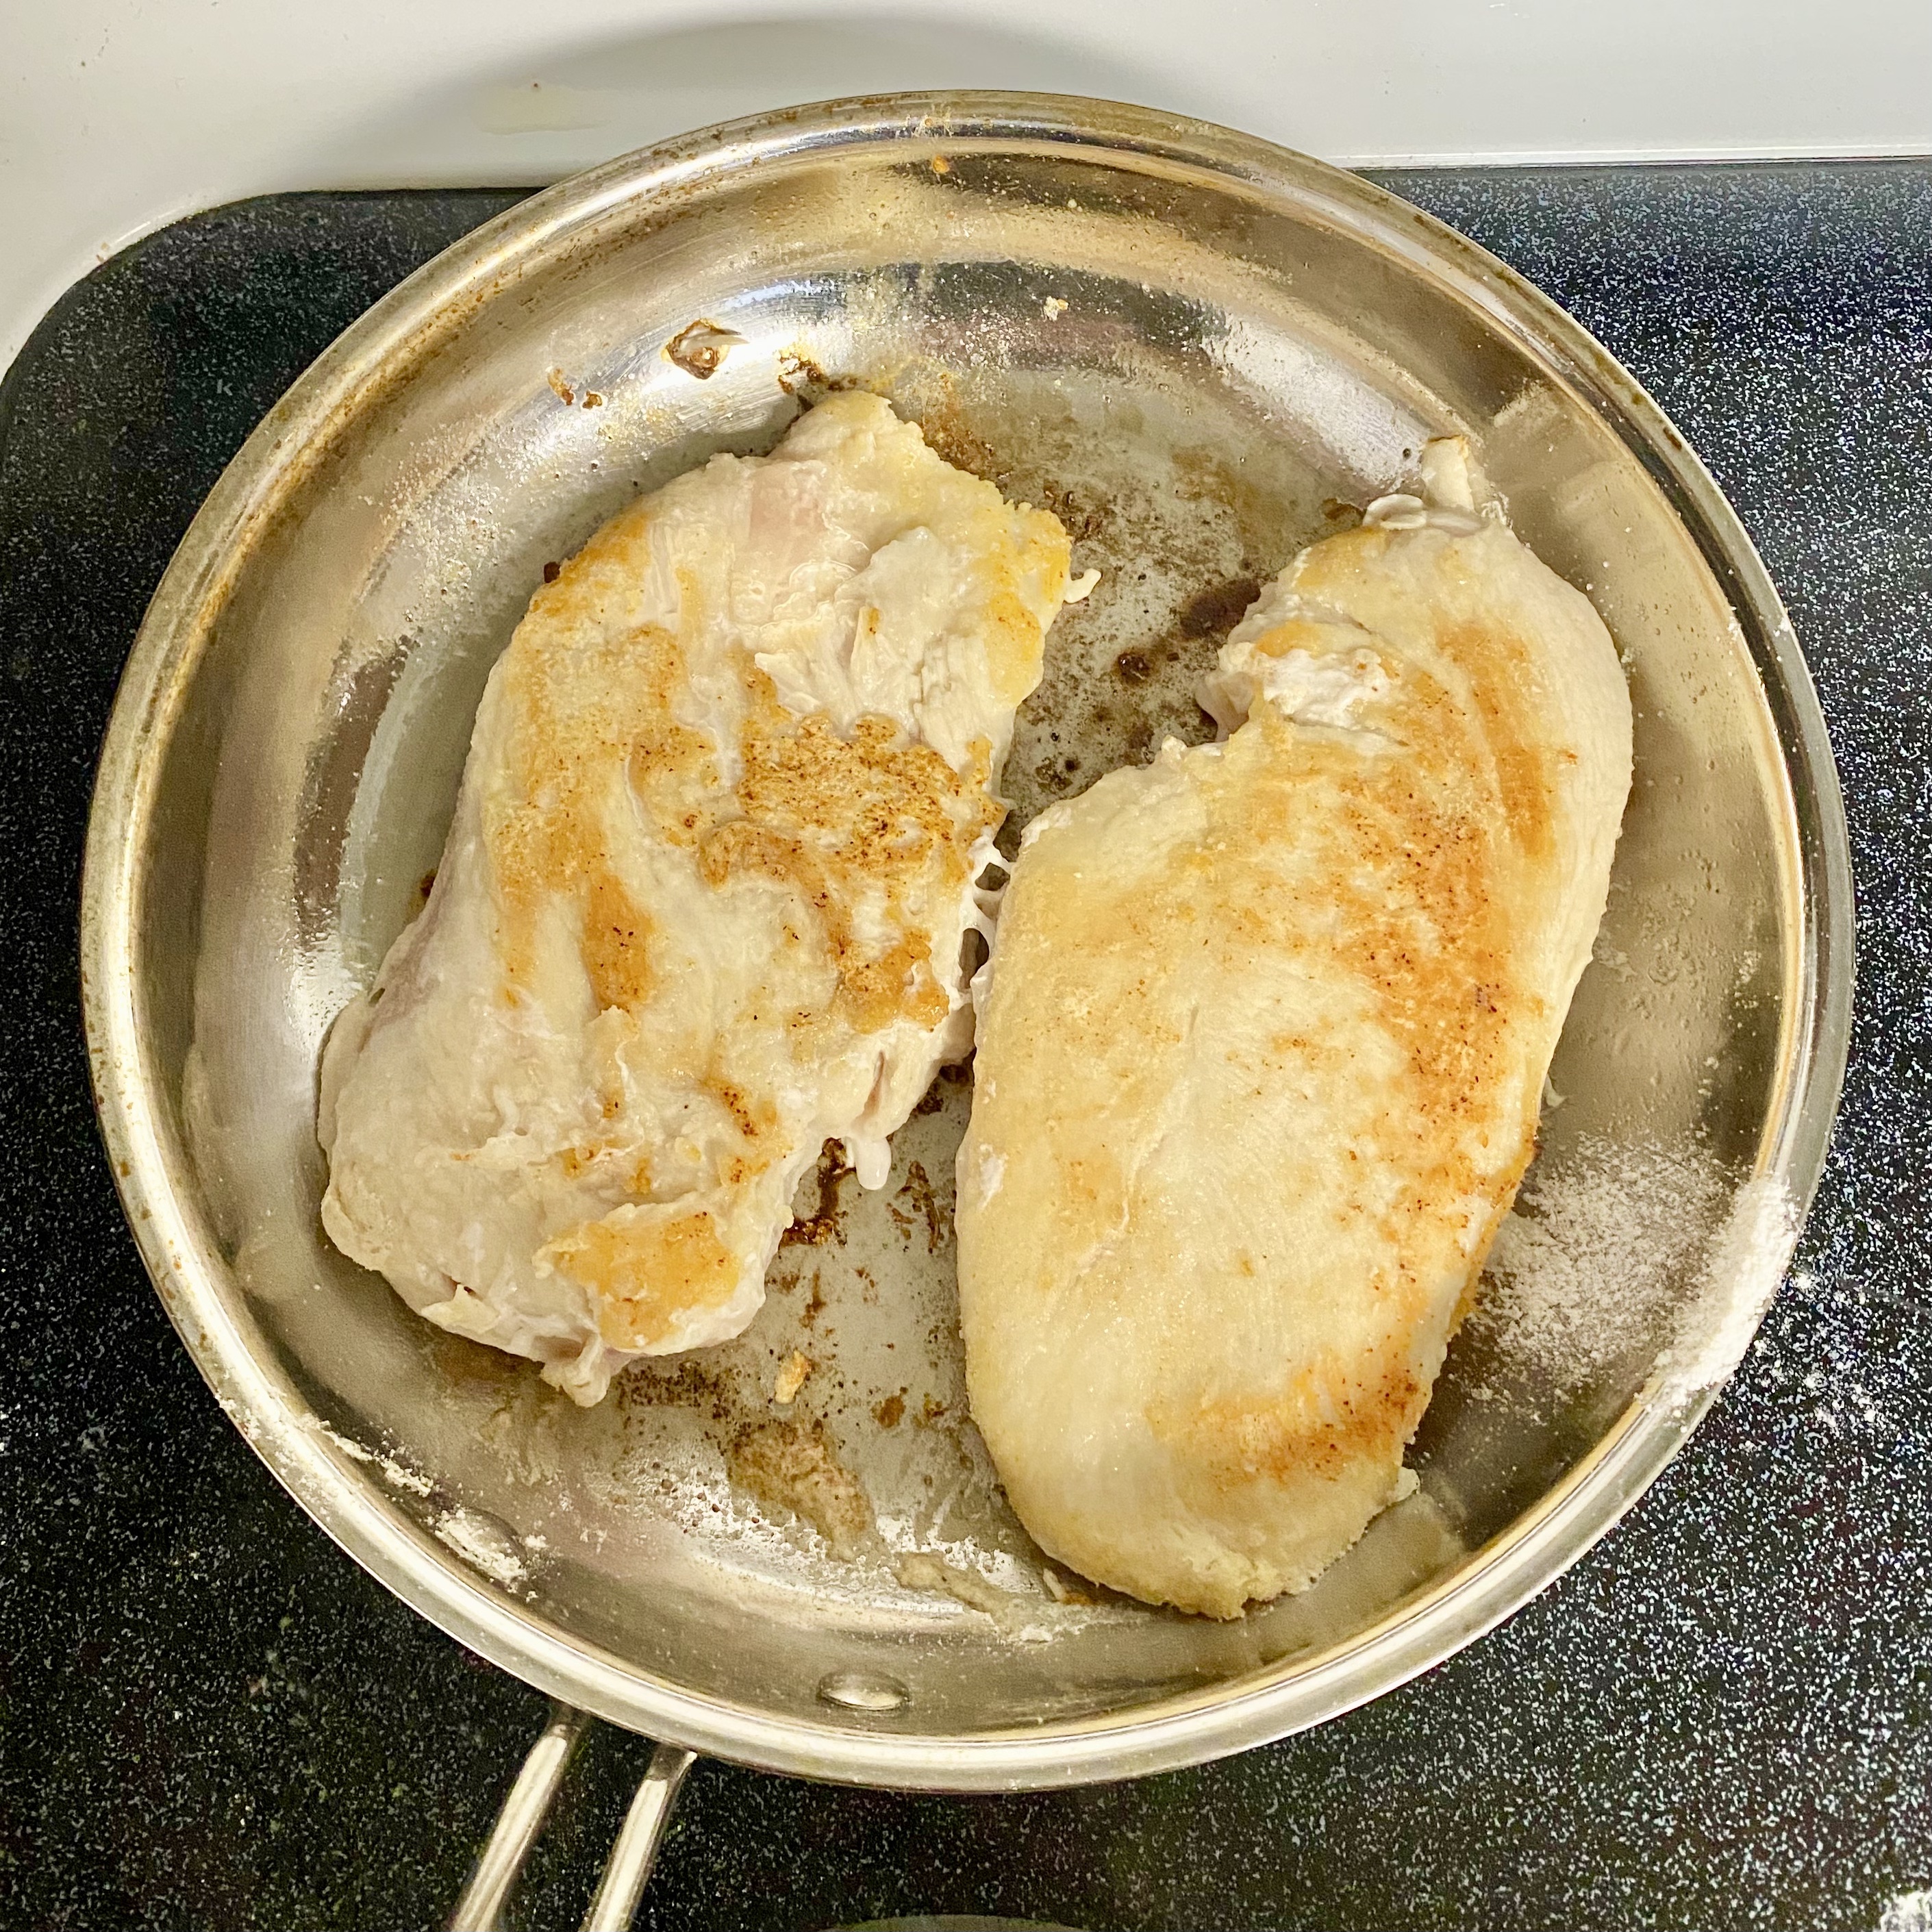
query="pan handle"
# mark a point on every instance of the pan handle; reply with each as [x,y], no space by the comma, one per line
[636,1850]
[481,1907]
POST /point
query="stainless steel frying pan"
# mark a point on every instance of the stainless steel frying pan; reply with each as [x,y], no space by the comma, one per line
[1201,351]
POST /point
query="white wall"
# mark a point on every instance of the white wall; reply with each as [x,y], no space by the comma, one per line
[117,115]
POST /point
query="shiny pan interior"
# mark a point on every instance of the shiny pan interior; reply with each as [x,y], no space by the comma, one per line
[1201,352]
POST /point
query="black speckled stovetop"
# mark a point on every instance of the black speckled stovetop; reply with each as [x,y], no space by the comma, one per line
[209,1718]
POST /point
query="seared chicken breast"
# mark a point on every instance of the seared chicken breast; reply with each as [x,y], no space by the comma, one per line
[1261,1052]
[703,902]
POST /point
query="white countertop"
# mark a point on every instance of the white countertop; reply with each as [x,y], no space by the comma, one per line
[118,116]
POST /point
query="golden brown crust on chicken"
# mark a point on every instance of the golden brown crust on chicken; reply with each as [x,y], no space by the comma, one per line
[1260,1062]
[703,904]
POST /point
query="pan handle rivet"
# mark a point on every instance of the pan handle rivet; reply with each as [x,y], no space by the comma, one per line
[862,1691]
